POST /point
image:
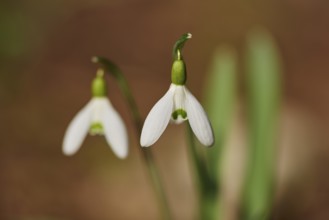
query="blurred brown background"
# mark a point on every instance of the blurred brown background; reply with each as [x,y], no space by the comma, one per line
[45,73]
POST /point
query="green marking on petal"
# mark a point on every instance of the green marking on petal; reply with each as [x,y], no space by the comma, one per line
[96,128]
[98,86]
[179,112]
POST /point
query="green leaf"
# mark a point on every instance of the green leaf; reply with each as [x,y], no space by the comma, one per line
[220,98]
[264,88]
[220,101]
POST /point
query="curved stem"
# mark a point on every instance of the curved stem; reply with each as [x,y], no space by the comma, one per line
[178,46]
[114,70]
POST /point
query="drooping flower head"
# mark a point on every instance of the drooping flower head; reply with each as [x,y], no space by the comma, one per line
[98,117]
[177,105]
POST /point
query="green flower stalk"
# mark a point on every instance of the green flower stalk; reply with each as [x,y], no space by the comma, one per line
[114,71]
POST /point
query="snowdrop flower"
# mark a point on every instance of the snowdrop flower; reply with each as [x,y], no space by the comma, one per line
[177,105]
[98,117]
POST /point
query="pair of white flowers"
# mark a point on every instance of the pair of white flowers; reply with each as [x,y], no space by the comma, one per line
[99,117]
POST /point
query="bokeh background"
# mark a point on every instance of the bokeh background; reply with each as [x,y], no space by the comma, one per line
[45,75]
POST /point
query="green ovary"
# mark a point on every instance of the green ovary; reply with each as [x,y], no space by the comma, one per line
[178,72]
[98,86]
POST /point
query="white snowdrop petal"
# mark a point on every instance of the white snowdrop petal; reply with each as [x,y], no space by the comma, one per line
[77,130]
[198,120]
[158,119]
[114,130]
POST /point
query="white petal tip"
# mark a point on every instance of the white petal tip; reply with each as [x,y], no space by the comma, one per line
[145,145]
[205,141]
[209,143]
[145,142]
[123,155]
[67,152]
[120,151]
